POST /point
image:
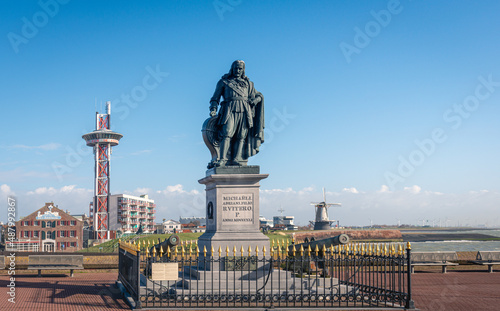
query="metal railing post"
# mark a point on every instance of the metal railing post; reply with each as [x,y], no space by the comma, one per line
[410,304]
[138,261]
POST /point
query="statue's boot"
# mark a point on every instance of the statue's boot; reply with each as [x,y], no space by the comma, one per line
[239,150]
[224,147]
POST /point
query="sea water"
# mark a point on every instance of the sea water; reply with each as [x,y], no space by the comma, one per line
[458,245]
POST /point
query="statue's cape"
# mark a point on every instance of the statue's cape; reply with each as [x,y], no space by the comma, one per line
[256,133]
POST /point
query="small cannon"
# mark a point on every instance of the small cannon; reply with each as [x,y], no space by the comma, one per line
[315,263]
[329,242]
[169,242]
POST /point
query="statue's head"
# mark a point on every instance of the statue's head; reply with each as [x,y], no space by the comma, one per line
[238,69]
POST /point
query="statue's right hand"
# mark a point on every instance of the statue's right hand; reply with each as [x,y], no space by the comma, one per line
[213,112]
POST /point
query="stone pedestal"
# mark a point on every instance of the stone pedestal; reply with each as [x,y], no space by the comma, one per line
[232,213]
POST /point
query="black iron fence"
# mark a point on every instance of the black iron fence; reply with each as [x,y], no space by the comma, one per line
[354,275]
[129,261]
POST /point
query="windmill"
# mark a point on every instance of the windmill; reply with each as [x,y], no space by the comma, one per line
[322,222]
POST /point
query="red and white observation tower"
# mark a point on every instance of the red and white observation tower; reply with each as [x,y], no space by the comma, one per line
[102,139]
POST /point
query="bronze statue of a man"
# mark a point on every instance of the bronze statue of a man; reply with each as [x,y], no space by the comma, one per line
[237,130]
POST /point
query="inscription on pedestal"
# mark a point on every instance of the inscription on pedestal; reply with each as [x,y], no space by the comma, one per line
[237,208]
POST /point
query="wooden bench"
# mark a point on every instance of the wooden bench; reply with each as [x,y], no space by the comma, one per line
[55,262]
[487,258]
[433,259]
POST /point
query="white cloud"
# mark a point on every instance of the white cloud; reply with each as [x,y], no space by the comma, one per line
[350,190]
[413,189]
[384,189]
[5,189]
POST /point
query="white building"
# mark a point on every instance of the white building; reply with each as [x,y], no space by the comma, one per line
[287,221]
[171,226]
[128,212]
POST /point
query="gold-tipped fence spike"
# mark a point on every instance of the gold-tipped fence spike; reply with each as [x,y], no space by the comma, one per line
[408,245]
[220,251]
[385,249]
[400,249]
[161,250]
[183,253]
[316,250]
[301,250]
[212,251]
[323,250]
[309,250]
[264,250]
[190,252]
[154,252]
[242,250]
[249,250]
[204,251]
[257,251]
[293,250]
[234,251]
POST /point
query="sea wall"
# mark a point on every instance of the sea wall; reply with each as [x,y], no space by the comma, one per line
[354,235]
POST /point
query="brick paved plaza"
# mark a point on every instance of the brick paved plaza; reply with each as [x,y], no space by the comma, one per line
[433,291]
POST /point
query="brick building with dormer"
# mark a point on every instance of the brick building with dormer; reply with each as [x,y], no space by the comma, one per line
[49,229]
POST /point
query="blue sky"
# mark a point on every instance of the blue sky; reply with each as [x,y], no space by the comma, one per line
[392,106]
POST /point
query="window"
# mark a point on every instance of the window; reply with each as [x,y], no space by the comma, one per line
[48,224]
[26,234]
[37,223]
[26,223]
[62,233]
[73,222]
[36,234]
[72,234]
[49,234]
[73,244]
[63,223]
